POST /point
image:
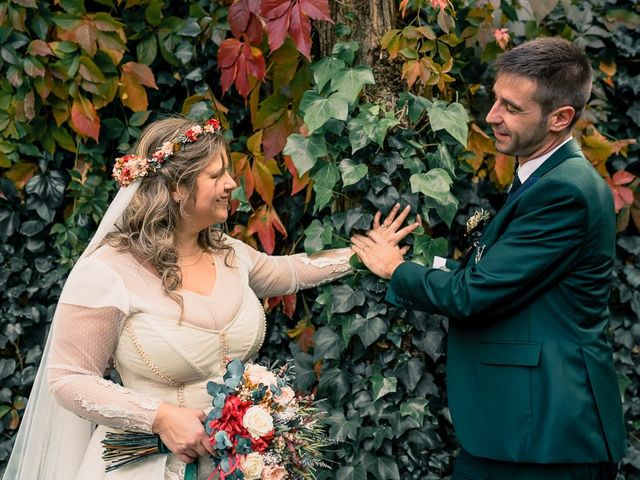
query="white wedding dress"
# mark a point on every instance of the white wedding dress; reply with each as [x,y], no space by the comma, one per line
[114,308]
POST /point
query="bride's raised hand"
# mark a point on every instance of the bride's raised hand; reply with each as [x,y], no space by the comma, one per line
[391,228]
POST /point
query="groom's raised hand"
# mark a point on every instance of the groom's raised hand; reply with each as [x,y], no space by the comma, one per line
[378,249]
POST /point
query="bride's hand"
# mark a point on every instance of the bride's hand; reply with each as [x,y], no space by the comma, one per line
[182,431]
[390,229]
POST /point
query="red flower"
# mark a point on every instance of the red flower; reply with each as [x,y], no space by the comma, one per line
[214,123]
[259,445]
[191,135]
[231,419]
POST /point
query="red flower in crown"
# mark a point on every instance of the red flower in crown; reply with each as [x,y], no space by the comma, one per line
[129,168]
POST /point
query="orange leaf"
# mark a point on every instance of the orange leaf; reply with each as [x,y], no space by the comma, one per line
[480,145]
[242,172]
[298,182]
[40,48]
[265,184]
[84,118]
[141,73]
[132,93]
[21,173]
[504,169]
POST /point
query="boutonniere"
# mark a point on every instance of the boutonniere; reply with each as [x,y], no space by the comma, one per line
[476,222]
[474,227]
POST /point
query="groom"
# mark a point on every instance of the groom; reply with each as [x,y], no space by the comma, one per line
[531,384]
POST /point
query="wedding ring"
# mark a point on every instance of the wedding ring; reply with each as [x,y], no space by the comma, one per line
[384,225]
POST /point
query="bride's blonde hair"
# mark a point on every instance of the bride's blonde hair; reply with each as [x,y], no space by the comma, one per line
[149,222]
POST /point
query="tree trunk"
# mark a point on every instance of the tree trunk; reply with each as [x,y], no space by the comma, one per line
[369,20]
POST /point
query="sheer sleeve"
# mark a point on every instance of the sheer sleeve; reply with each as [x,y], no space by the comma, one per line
[87,324]
[270,276]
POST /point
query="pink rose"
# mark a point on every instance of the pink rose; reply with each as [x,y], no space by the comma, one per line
[286,396]
[274,473]
[257,374]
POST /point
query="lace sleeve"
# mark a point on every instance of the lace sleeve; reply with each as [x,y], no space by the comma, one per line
[83,341]
[283,275]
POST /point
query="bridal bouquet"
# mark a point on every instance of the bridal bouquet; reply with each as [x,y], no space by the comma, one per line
[258,427]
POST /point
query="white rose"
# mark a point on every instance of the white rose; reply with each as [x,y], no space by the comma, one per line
[257,421]
[252,466]
[259,374]
[286,395]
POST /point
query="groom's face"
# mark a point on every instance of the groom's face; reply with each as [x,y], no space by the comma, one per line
[519,127]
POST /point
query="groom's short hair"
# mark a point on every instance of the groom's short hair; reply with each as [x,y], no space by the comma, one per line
[559,67]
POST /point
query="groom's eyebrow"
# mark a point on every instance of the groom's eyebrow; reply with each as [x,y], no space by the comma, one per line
[507,101]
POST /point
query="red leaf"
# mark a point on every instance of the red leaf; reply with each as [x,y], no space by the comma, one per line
[275,137]
[84,118]
[316,9]
[141,72]
[243,19]
[239,61]
[300,30]
[622,178]
[289,305]
[622,196]
[265,221]
[277,19]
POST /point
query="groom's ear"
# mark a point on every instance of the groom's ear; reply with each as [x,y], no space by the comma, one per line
[560,119]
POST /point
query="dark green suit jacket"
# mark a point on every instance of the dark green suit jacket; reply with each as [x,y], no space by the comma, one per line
[529,370]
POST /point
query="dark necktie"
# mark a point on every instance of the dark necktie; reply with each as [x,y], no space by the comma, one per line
[516,184]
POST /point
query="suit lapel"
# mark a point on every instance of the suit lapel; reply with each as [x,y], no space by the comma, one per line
[491,232]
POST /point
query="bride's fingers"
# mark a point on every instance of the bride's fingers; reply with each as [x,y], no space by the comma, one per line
[392,215]
[404,250]
[398,222]
[403,232]
[376,219]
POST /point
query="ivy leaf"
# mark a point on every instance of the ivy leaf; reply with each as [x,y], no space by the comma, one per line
[318,109]
[352,173]
[342,429]
[451,117]
[327,344]
[325,180]
[417,105]
[353,472]
[317,236]
[368,330]
[305,151]
[382,386]
[415,408]
[430,247]
[344,298]
[382,467]
[436,183]
[334,383]
[410,373]
[305,373]
[326,69]
[348,83]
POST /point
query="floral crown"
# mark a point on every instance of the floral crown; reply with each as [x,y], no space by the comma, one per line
[130,167]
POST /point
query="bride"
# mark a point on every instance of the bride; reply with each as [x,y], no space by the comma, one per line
[170,299]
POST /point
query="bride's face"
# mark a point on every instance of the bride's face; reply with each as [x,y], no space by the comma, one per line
[212,194]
